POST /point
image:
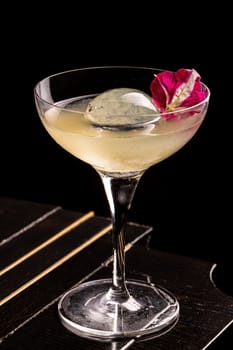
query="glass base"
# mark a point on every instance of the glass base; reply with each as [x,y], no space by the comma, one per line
[88,311]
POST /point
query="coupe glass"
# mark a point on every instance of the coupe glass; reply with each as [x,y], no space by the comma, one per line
[120,152]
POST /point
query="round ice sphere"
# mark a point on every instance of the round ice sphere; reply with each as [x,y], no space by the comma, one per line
[122,107]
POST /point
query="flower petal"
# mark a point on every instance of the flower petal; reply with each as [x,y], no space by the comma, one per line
[183,75]
[158,94]
[169,83]
[187,79]
[197,95]
[172,91]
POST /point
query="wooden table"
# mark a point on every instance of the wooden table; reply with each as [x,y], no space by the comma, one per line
[45,250]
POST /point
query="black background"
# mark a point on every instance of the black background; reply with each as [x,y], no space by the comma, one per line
[187,197]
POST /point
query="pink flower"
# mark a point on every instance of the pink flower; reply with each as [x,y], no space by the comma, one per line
[174,91]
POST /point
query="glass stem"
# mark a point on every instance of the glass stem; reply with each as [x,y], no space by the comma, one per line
[120,192]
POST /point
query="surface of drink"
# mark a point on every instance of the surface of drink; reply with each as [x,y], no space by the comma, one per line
[117,150]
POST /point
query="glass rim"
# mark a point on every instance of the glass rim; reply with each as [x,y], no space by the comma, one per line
[164,113]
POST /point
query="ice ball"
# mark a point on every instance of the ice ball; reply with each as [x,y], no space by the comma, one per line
[122,107]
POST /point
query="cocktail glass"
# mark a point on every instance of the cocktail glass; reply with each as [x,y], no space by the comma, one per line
[120,149]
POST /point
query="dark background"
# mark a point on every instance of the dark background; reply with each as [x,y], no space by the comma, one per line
[186,197]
